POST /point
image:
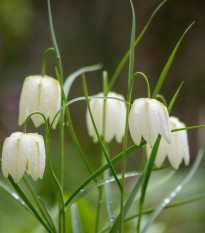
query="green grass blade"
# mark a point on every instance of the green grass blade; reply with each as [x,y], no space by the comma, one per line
[14,195]
[101,170]
[76,225]
[149,211]
[174,98]
[179,187]
[125,58]
[144,177]
[189,128]
[72,77]
[167,66]
[98,136]
[105,181]
[28,203]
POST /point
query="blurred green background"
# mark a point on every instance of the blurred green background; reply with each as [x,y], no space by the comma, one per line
[90,32]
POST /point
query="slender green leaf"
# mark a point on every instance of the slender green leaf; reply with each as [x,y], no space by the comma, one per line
[145,176]
[170,196]
[49,216]
[101,170]
[39,205]
[72,77]
[105,181]
[174,98]
[14,195]
[28,203]
[191,200]
[167,66]
[125,58]
[98,136]
[76,225]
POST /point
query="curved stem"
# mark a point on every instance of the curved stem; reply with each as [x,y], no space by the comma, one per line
[44,60]
[161,97]
[55,45]
[146,80]
[29,116]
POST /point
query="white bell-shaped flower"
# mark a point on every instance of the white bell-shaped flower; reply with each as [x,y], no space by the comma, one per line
[115,117]
[42,94]
[23,152]
[177,150]
[148,118]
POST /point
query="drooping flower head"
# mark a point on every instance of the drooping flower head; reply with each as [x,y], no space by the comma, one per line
[115,117]
[23,152]
[148,118]
[177,150]
[41,94]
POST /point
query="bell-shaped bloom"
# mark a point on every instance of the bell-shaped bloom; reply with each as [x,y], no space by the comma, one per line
[148,118]
[23,152]
[177,150]
[42,94]
[115,117]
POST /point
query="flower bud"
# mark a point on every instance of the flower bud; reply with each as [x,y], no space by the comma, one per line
[23,152]
[177,150]
[148,118]
[40,94]
[115,117]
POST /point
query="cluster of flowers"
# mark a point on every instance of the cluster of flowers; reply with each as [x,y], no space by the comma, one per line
[147,118]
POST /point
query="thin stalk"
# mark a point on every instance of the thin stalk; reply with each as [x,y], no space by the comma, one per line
[142,188]
[28,203]
[98,208]
[71,130]
[126,57]
[50,224]
[62,211]
[106,174]
[61,161]
[146,80]
[44,60]
[130,75]
[98,136]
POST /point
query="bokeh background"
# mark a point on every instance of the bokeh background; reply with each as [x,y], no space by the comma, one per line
[90,32]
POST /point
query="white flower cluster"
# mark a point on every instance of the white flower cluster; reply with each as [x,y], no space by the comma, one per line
[26,152]
[147,118]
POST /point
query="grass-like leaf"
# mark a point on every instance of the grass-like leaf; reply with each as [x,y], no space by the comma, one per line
[144,177]
[76,225]
[168,64]
[29,204]
[98,136]
[125,58]
[174,98]
[170,196]
[14,195]
[149,211]
[72,77]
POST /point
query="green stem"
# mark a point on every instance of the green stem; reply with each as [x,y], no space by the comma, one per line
[161,97]
[49,222]
[125,58]
[58,57]
[44,60]
[28,203]
[62,211]
[130,75]
[146,80]
[98,208]
[71,129]
[98,136]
